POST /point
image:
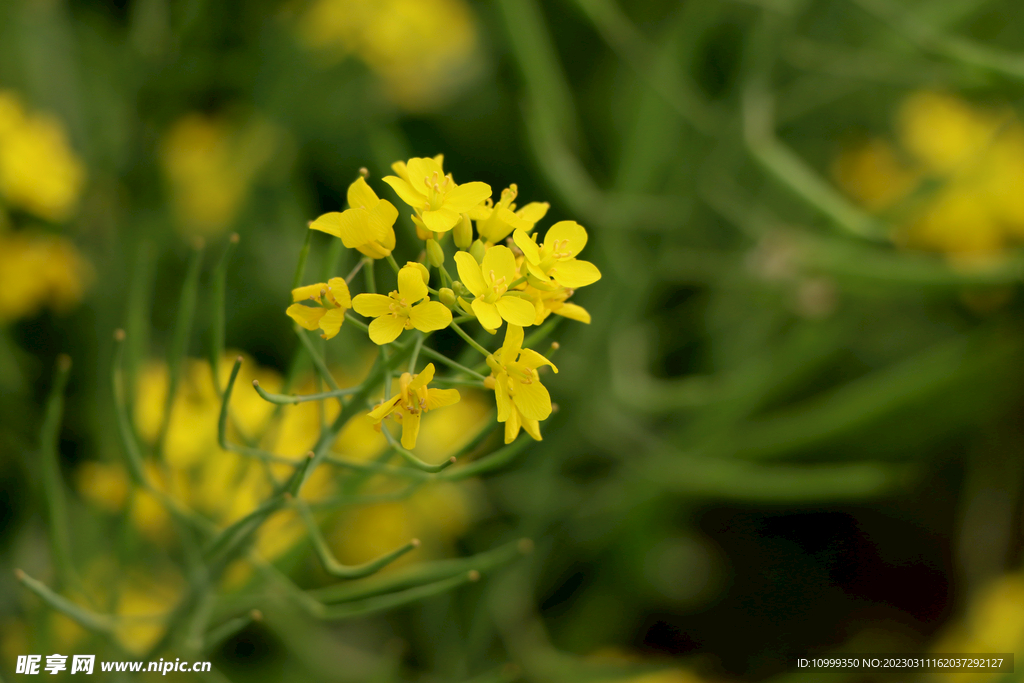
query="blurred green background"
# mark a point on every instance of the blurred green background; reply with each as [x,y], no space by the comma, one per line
[792,427]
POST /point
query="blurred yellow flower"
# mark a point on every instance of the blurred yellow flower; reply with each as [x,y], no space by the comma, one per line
[211,164]
[39,270]
[955,184]
[521,398]
[333,300]
[422,50]
[413,399]
[39,172]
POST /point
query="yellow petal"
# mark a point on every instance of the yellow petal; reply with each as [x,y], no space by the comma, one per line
[533,212]
[423,168]
[534,360]
[530,249]
[501,398]
[382,218]
[516,311]
[384,409]
[439,398]
[487,314]
[533,400]
[308,292]
[512,344]
[386,328]
[532,428]
[430,316]
[372,305]
[442,220]
[469,273]
[306,316]
[361,195]
[570,235]
[410,284]
[575,273]
[410,430]
[400,170]
[573,312]
[422,379]
[352,226]
[338,289]
[329,223]
[331,322]
[424,273]
[405,192]
[512,427]
[466,196]
[502,262]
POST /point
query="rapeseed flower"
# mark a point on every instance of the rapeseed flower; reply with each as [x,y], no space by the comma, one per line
[399,311]
[954,183]
[413,399]
[332,299]
[439,202]
[211,164]
[39,172]
[555,259]
[495,222]
[522,400]
[423,51]
[368,224]
[489,282]
[548,299]
[38,270]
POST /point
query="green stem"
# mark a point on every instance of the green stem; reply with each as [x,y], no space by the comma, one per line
[132,452]
[56,501]
[431,353]
[358,323]
[300,268]
[446,279]
[285,400]
[318,360]
[469,340]
[220,276]
[100,623]
[417,347]
[393,263]
[368,274]
[352,274]
[411,458]
[331,564]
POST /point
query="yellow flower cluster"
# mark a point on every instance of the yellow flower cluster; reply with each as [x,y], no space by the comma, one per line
[211,164]
[955,182]
[422,50]
[39,172]
[521,284]
[38,270]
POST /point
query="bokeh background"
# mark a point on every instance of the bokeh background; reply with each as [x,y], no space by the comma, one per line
[793,426]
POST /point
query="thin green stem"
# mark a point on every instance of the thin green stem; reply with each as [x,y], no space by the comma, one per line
[357,322]
[100,623]
[53,486]
[431,353]
[318,360]
[355,271]
[335,568]
[218,287]
[369,276]
[417,347]
[446,279]
[393,263]
[411,458]
[300,267]
[469,340]
[132,451]
[285,399]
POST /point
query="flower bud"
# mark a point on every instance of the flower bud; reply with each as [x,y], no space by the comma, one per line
[435,255]
[477,250]
[447,297]
[424,273]
[460,289]
[462,233]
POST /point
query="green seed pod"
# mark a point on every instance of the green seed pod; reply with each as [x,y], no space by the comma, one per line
[477,250]
[462,233]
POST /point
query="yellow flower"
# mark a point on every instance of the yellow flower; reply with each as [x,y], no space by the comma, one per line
[105,485]
[211,164]
[556,257]
[495,222]
[396,311]
[368,225]
[39,270]
[548,299]
[333,300]
[414,398]
[422,50]
[489,282]
[38,170]
[438,201]
[521,398]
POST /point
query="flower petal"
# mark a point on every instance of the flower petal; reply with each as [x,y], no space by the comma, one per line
[528,246]
[534,360]
[516,311]
[423,168]
[331,322]
[352,226]
[442,220]
[533,212]
[439,398]
[532,399]
[410,430]
[502,262]
[512,427]
[406,192]
[384,409]
[469,273]
[502,399]
[306,316]
[372,305]
[575,273]
[571,235]
[466,196]
[386,328]
[573,312]
[410,284]
[338,288]
[382,218]
[487,314]
[430,316]
[512,344]
[422,379]
[308,292]
[361,195]
[532,428]
[329,223]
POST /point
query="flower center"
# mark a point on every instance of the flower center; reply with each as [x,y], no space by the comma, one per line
[437,188]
